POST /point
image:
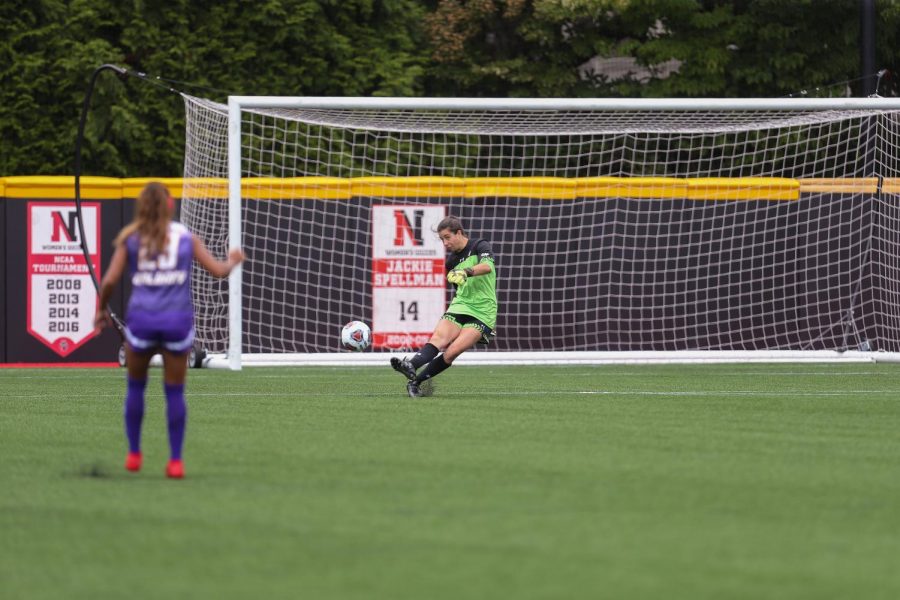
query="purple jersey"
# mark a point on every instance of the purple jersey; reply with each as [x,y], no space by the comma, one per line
[162,285]
[160,312]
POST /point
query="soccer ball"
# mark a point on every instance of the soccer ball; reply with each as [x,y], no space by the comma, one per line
[356,335]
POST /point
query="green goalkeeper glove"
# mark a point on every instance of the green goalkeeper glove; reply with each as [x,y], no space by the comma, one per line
[457,277]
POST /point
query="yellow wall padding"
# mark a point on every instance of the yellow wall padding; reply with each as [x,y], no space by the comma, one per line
[92,188]
[891,185]
[409,187]
[132,187]
[867,185]
[743,188]
[631,187]
[548,188]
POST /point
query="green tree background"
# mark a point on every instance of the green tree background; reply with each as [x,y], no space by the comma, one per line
[503,48]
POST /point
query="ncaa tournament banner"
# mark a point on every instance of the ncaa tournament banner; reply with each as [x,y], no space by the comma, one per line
[61,296]
[408,287]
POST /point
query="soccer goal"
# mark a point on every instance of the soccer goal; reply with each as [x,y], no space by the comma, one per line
[624,230]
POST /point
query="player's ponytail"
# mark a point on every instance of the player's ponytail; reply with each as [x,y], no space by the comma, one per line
[151,219]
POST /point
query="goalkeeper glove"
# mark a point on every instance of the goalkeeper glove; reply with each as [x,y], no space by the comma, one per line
[457,277]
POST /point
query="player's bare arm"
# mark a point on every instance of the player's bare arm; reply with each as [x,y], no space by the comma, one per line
[108,284]
[216,268]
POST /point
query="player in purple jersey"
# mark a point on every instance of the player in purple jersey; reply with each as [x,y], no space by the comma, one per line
[160,316]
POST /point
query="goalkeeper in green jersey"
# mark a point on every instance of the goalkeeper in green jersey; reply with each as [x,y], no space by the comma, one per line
[472,314]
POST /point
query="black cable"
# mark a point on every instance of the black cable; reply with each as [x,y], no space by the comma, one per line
[120,326]
[155,79]
[804,93]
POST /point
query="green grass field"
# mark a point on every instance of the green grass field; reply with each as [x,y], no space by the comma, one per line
[749,481]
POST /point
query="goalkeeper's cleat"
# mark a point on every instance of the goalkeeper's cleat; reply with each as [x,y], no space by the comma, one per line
[412,388]
[175,469]
[133,461]
[402,365]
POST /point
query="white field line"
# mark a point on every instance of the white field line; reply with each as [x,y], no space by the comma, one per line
[638,371]
[662,393]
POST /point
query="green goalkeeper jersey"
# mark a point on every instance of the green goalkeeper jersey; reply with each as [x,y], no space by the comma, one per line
[476,297]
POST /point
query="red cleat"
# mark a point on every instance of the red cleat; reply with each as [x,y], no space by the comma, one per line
[175,469]
[133,461]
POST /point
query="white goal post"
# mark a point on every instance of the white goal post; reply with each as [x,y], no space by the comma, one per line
[625,230]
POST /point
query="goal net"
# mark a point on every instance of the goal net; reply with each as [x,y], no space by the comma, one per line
[619,228]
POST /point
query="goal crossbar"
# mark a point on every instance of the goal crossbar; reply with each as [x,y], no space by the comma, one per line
[565,104]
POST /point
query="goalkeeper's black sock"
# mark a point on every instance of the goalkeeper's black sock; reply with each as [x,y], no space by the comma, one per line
[424,355]
[433,369]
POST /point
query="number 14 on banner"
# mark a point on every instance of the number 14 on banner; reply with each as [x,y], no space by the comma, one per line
[404,317]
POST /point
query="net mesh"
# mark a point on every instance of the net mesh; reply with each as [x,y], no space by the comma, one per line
[624,230]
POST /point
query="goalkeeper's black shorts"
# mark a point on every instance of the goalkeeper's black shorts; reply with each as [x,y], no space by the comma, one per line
[468,321]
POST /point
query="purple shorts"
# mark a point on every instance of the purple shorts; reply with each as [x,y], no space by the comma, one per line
[173,332]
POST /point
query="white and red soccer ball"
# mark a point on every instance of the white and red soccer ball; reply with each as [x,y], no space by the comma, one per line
[356,335]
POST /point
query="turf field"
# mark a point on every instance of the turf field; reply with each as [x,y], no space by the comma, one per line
[749,481]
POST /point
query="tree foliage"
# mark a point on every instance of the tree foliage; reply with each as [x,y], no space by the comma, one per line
[502,48]
[276,47]
[744,48]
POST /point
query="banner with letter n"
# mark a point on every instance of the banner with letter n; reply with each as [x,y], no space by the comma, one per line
[61,296]
[408,287]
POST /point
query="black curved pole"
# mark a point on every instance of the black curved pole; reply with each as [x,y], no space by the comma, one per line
[78,140]
[867,18]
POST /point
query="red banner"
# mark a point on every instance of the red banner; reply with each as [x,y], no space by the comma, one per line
[408,286]
[62,299]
